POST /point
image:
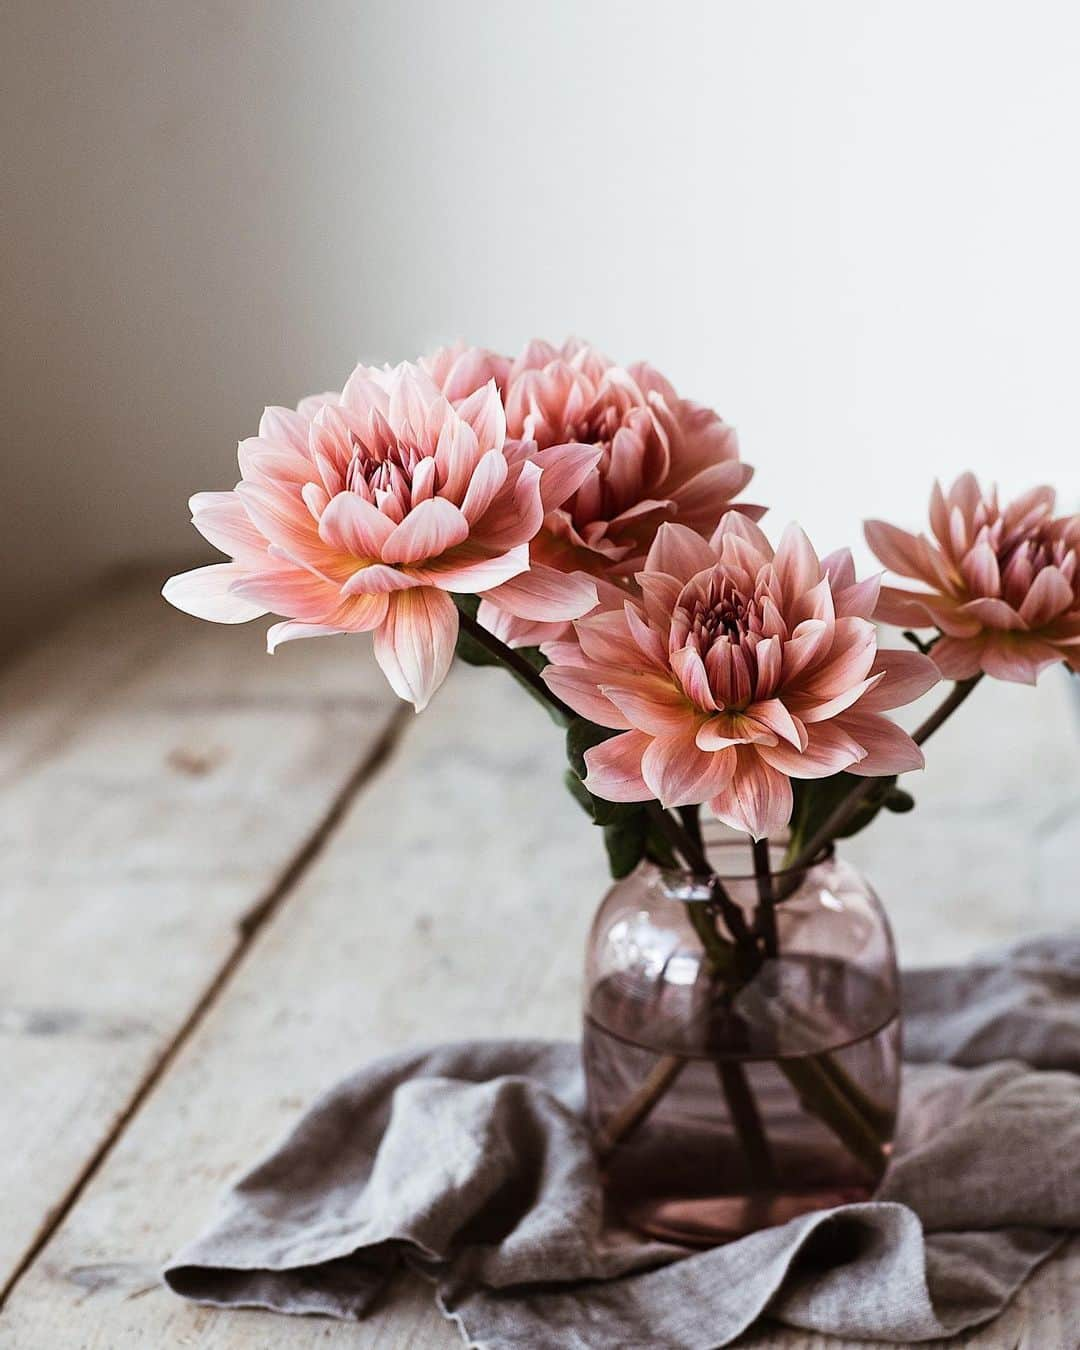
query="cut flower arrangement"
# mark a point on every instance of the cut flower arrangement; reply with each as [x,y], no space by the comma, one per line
[580,524]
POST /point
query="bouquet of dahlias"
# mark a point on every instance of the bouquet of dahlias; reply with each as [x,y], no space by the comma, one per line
[578,523]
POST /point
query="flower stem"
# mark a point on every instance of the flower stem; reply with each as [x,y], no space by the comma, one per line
[515,663]
[766,910]
[844,811]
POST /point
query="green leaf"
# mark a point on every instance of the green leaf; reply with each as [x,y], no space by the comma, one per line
[625,845]
[817,798]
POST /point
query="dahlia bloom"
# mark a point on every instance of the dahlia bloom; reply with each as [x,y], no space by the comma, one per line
[1003,585]
[662,458]
[362,512]
[738,670]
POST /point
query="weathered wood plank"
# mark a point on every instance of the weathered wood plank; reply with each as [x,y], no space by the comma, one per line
[161,776]
[453,900]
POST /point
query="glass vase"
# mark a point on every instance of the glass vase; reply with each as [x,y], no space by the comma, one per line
[741,1044]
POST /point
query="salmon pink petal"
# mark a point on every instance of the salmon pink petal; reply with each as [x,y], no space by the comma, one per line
[659,593]
[903,609]
[545,594]
[726,729]
[517,632]
[281,516]
[379,579]
[758,798]
[839,567]
[471,571]
[487,479]
[770,656]
[414,645]
[993,614]
[958,658]
[829,749]
[261,461]
[908,675]
[739,525]
[647,640]
[207,593]
[860,600]
[605,639]
[286,427]
[798,566]
[679,774]
[888,748]
[1049,596]
[773,714]
[290,630]
[807,644]
[563,469]
[615,768]
[516,514]
[577,687]
[651,704]
[980,569]
[814,709]
[355,525]
[483,410]
[679,552]
[292,591]
[901,552]
[428,530]
[690,671]
[848,661]
[457,454]
[1020,661]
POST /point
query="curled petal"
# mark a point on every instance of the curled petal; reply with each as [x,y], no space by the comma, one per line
[471,570]
[578,689]
[290,630]
[563,468]
[651,704]
[1049,596]
[679,552]
[615,768]
[414,645]
[901,552]
[488,477]
[207,593]
[355,525]
[993,614]
[221,519]
[829,749]
[379,579]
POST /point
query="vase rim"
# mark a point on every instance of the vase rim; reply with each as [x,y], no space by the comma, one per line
[726,844]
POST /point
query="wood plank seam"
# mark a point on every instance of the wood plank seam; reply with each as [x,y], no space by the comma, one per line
[248,927]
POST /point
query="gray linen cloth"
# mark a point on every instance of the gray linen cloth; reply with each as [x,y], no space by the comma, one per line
[470,1162]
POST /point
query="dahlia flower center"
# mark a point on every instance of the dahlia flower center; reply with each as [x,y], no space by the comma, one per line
[375,471]
[1022,557]
[725,627]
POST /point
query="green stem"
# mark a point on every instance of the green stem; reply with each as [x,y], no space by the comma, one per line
[765,920]
[843,812]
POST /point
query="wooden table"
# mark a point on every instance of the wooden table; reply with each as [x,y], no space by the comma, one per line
[228,879]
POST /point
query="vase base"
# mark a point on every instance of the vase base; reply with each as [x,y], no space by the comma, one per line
[710,1221]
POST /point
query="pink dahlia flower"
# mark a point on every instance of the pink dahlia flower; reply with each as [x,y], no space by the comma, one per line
[738,670]
[662,458]
[362,512]
[1003,585]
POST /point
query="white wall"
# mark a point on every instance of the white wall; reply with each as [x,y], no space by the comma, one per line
[853,227]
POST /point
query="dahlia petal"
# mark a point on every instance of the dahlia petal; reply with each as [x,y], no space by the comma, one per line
[758,798]
[724,730]
[563,468]
[260,460]
[773,714]
[221,519]
[614,768]
[1049,596]
[902,609]
[829,749]
[901,552]
[1020,659]
[412,394]
[860,600]
[286,427]
[457,454]
[848,660]
[488,477]
[980,569]
[647,640]
[839,567]
[516,514]
[888,748]
[650,704]
[799,567]
[414,645]
[680,774]
[659,594]
[577,688]
[365,392]
[470,572]
[770,657]
[428,530]
[546,594]
[379,579]
[690,671]
[993,614]
[809,641]
[483,410]
[292,591]
[281,516]
[355,525]
[908,675]
[703,498]
[517,632]
[290,630]
[738,523]
[679,552]
[206,593]
[958,658]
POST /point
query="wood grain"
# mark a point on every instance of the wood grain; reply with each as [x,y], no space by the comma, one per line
[159,778]
[452,899]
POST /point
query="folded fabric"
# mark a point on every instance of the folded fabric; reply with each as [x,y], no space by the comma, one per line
[471,1163]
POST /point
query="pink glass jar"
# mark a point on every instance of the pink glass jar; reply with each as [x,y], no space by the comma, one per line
[740,1086]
